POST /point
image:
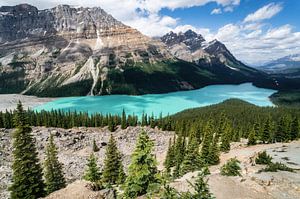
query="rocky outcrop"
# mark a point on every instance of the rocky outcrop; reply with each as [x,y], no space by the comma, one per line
[62,46]
[67,51]
[213,55]
[75,146]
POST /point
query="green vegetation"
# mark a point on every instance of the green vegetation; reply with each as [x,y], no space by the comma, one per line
[231,168]
[54,177]
[191,161]
[274,167]
[27,178]
[287,98]
[142,173]
[12,82]
[80,88]
[263,158]
[252,137]
[95,147]
[200,189]
[93,174]
[113,172]
[63,119]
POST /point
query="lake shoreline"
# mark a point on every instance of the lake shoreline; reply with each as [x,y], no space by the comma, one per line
[10,101]
[161,104]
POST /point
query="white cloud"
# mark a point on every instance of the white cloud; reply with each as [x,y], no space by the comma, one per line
[279,33]
[255,45]
[228,9]
[140,14]
[227,32]
[216,11]
[266,12]
[252,41]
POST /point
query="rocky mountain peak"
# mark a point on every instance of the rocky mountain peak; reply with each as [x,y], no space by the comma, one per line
[190,38]
[21,8]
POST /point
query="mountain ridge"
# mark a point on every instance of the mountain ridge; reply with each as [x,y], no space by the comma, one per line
[66,51]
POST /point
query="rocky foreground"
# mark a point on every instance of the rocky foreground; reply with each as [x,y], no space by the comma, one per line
[75,145]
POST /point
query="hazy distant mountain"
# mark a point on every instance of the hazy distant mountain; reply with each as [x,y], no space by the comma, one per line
[288,66]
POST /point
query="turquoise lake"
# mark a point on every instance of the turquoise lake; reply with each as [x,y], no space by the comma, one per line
[168,103]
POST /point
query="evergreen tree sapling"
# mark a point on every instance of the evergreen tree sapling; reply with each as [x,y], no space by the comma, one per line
[191,161]
[124,123]
[27,177]
[252,137]
[95,147]
[201,189]
[295,129]
[207,140]
[92,172]
[266,134]
[54,177]
[142,171]
[214,152]
[225,138]
[170,157]
[231,168]
[113,168]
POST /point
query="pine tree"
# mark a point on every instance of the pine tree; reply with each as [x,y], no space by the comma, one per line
[214,152]
[27,178]
[179,154]
[225,139]
[142,173]
[191,160]
[95,147]
[111,124]
[92,172]
[112,163]
[54,177]
[295,129]
[207,140]
[124,124]
[201,190]
[266,134]
[170,157]
[252,137]
[121,175]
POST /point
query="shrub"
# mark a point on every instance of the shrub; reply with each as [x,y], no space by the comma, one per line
[274,167]
[263,158]
[231,168]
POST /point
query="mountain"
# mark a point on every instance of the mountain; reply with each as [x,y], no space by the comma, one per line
[68,51]
[213,56]
[288,66]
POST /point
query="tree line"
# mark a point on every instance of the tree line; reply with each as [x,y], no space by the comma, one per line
[31,180]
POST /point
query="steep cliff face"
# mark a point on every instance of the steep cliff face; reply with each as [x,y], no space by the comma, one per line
[67,51]
[45,52]
[213,56]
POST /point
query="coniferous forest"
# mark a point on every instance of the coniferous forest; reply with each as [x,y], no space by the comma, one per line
[201,135]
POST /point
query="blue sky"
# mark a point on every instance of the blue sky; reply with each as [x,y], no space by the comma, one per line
[200,16]
[255,31]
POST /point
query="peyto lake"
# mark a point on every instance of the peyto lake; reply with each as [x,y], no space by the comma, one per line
[168,103]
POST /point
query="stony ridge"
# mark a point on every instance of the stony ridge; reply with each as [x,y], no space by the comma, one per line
[65,45]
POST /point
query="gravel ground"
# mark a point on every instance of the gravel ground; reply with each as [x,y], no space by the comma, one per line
[9,101]
[75,145]
[254,185]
